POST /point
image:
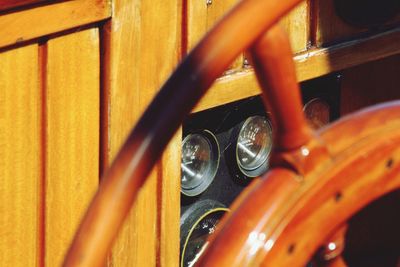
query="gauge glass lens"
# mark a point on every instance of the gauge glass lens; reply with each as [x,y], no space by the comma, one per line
[254,143]
[196,160]
[317,112]
[197,241]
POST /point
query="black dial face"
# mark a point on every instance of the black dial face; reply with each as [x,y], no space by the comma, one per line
[253,144]
[199,162]
[197,241]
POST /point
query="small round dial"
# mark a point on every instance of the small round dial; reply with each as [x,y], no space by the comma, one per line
[197,224]
[317,112]
[197,241]
[200,156]
[254,145]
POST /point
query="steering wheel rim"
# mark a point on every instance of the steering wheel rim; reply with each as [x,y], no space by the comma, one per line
[272,236]
[147,140]
[120,184]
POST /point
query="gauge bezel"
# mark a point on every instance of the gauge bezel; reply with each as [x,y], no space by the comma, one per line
[193,216]
[262,167]
[214,160]
[312,102]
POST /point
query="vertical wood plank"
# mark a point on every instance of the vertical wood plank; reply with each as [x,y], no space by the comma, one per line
[141,48]
[72,152]
[201,16]
[297,25]
[20,156]
[170,202]
[329,26]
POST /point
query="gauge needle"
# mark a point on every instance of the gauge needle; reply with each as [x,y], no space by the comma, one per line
[245,149]
[191,263]
[187,169]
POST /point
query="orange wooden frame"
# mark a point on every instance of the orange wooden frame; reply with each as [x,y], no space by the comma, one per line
[302,164]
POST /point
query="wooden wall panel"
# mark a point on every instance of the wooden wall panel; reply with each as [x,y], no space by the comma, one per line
[20,157]
[26,24]
[170,203]
[370,83]
[202,15]
[309,64]
[297,25]
[8,4]
[72,133]
[331,28]
[142,46]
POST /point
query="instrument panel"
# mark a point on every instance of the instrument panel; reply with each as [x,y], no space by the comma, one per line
[225,148]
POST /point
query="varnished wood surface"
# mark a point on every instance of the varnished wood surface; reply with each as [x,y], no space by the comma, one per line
[169,206]
[133,163]
[203,15]
[72,99]
[20,158]
[369,84]
[129,102]
[141,47]
[27,24]
[297,26]
[273,63]
[8,4]
[330,28]
[318,203]
[341,193]
[310,64]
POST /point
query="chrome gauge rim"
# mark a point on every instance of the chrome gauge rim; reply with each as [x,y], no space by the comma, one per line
[253,146]
[199,162]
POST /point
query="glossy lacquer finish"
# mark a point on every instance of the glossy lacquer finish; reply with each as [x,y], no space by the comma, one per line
[316,182]
[119,186]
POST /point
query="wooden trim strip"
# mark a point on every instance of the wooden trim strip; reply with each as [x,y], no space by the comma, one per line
[9,4]
[32,23]
[310,64]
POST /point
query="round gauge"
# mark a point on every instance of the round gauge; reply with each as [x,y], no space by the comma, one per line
[317,112]
[197,224]
[253,145]
[199,164]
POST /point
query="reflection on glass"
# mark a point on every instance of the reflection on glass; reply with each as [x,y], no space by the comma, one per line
[197,241]
[254,143]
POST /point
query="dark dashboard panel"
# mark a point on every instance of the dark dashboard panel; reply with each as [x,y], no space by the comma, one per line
[243,123]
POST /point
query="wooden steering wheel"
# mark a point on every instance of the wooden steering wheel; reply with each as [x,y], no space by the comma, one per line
[316,182]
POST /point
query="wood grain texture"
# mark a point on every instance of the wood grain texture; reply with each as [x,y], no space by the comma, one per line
[297,26]
[162,119]
[20,157]
[7,4]
[72,133]
[170,203]
[329,27]
[32,23]
[136,64]
[316,204]
[202,15]
[369,84]
[309,65]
